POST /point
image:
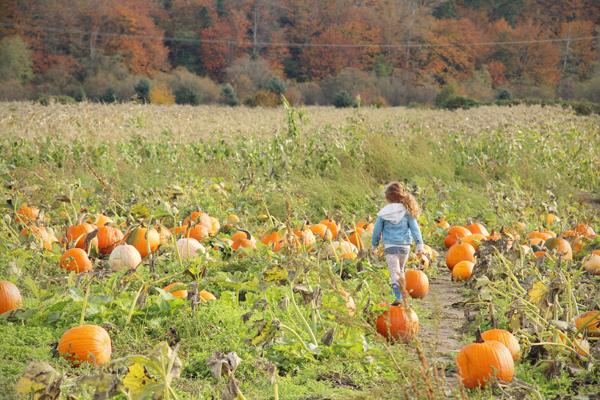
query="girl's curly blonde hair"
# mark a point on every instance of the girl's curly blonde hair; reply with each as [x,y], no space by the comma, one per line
[395,193]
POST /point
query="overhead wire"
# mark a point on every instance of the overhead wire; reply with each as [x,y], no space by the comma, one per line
[277,44]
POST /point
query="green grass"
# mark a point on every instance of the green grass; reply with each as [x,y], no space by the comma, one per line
[495,177]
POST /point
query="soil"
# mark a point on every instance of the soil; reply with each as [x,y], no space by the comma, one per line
[441,334]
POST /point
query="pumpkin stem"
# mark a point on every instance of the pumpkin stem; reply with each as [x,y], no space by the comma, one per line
[478,338]
[332,214]
[469,221]
[325,212]
[248,235]
[493,316]
[459,240]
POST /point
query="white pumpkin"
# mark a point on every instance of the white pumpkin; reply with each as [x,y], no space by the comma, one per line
[593,264]
[189,248]
[124,256]
[341,247]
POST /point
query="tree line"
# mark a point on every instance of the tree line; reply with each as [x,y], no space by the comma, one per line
[392,52]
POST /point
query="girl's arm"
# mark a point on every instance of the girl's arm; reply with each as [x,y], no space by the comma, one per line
[415,232]
[377,229]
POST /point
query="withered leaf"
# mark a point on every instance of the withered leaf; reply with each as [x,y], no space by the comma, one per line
[260,304]
[246,317]
[327,338]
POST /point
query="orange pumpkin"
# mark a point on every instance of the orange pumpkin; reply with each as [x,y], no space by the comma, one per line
[355,237]
[538,234]
[207,295]
[40,233]
[453,234]
[216,225]
[137,238]
[305,238]
[462,271]
[247,241]
[200,218]
[238,235]
[594,325]
[417,284]
[569,234]
[477,229]
[79,233]
[331,224]
[479,362]
[87,343]
[178,293]
[473,240]
[560,246]
[75,260]
[394,324]
[369,226]
[176,230]
[585,230]
[10,297]
[443,224]
[108,238]
[459,252]
[596,252]
[198,232]
[27,215]
[323,231]
[100,220]
[273,237]
[506,338]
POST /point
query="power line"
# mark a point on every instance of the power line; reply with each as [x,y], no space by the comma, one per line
[266,44]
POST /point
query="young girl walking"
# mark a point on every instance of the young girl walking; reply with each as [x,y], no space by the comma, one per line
[396,227]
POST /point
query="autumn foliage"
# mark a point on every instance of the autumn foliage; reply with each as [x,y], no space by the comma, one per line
[534,42]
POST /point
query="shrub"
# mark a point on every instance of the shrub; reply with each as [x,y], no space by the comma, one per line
[79,95]
[229,96]
[45,99]
[447,92]
[276,85]
[378,102]
[187,95]
[142,90]
[504,95]
[160,94]
[311,93]
[247,75]
[294,96]
[263,98]
[342,100]
[479,86]
[350,80]
[109,95]
[397,89]
[459,101]
[192,89]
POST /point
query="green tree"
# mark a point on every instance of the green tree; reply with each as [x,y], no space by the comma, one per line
[15,59]
[229,95]
[142,89]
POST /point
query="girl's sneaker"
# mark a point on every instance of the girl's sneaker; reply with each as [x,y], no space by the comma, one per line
[397,294]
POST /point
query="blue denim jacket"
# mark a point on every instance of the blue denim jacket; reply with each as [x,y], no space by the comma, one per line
[402,233]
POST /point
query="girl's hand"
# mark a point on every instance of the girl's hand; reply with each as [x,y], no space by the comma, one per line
[375,251]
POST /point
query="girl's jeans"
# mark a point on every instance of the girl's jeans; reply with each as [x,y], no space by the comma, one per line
[396,264]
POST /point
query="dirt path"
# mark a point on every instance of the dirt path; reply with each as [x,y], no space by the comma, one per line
[441,333]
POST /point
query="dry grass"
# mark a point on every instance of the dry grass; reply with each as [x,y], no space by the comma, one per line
[187,123]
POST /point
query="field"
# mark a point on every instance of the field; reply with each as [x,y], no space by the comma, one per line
[300,314]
